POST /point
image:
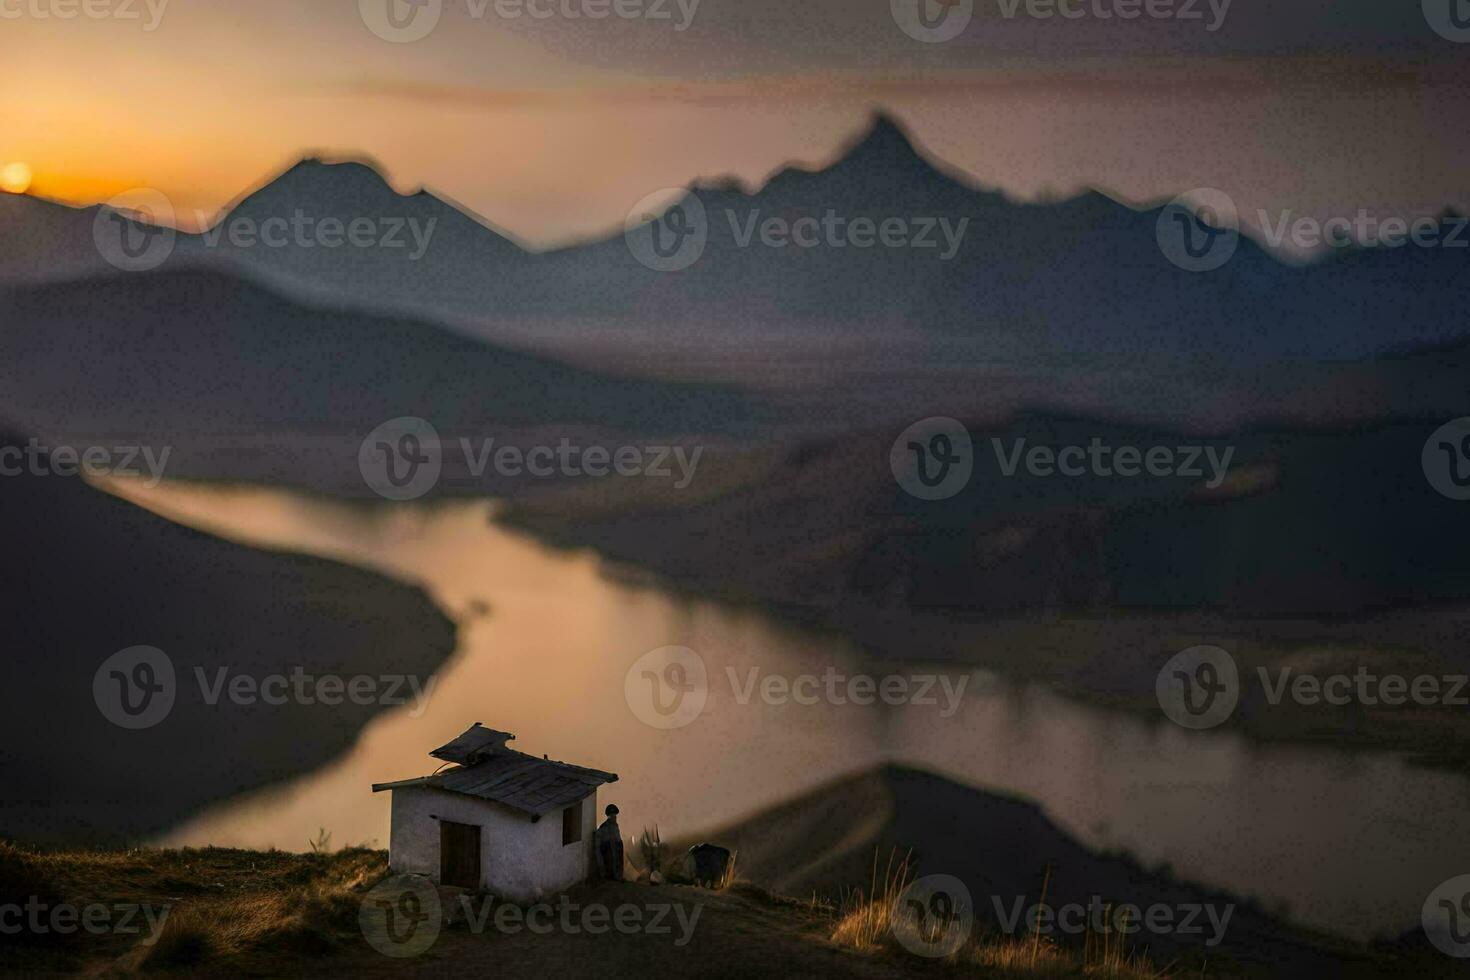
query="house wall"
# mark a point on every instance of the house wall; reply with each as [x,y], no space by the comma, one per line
[519,860]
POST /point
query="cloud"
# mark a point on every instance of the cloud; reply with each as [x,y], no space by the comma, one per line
[1331,75]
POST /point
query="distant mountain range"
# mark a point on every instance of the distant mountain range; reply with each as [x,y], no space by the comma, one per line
[220,367]
[273,364]
[1042,282]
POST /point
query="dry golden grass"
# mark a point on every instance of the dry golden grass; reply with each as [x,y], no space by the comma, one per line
[271,913]
[865,924]
[299,920]
[728,878]
[226,909]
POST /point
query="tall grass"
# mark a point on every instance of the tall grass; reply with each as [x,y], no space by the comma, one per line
[728,878]
[256,926]
[864,922]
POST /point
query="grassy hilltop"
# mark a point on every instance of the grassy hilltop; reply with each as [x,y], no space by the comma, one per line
[272,913]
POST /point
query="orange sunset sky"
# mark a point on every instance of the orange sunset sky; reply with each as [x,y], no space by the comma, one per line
[553,127]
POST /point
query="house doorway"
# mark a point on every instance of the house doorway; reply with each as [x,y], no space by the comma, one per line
[459,855]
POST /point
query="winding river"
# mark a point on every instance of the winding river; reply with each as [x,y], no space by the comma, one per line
[1350,843]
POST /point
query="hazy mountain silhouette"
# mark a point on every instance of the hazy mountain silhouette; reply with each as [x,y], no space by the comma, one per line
[1000,847]
[1029,281]
[459,252]
[91,575]
[1081,276]
[188,357]
[43,241]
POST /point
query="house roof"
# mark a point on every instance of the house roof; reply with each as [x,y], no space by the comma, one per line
[522,782]
[476,740]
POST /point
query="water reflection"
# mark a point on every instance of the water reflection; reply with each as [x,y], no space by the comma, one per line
[1349,843]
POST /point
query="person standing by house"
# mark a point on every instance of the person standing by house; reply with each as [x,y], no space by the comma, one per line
[609,842]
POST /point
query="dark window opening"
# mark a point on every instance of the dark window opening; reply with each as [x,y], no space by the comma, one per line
[571,824]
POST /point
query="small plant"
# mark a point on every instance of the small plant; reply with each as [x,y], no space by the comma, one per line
[863,922]
[653,850]
[322,843]
[728,878]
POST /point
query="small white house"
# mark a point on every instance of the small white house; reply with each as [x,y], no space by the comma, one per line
[499,820]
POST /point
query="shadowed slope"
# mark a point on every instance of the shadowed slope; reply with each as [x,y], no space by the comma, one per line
[90,575]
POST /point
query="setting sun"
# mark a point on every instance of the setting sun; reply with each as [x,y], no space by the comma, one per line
[15,178]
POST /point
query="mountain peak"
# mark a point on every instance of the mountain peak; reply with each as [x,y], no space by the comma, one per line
[317,182]
[884,126]
[886,141]
[340,173]
[884,150]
